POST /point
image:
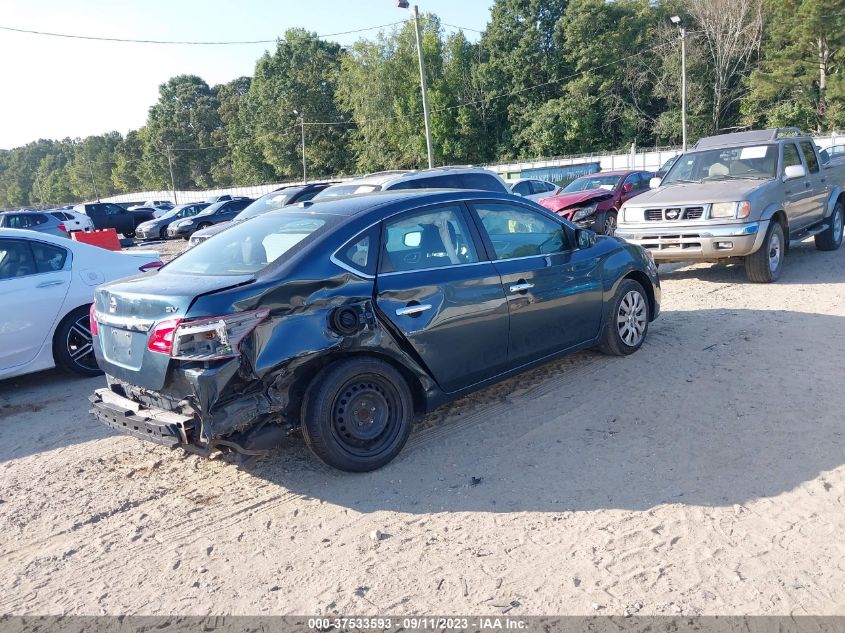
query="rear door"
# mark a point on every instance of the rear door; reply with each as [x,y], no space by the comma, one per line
[554,290]
[820,188]
[435,287]
[34,280]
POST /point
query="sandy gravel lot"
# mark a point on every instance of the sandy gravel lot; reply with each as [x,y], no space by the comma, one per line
[703,475]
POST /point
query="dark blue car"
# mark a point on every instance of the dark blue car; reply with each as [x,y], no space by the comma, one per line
[349,318]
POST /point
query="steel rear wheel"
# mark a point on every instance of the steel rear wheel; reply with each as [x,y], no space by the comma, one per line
[831,239]
[73,344]
[357,414]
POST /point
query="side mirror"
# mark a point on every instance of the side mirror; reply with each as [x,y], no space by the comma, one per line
[794,171]
[654,183]
[628,187]
[585,238]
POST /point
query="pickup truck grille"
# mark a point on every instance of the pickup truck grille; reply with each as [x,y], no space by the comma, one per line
[672,214]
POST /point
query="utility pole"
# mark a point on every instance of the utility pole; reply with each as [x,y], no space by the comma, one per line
[683,34]
[91,171]
[404,4]
[172,180]
[302,123]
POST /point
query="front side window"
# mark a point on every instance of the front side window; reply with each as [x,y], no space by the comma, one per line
[790,155]
[113,209]
[250,246]
[427,239]
[16,259]
[810,156]
[518,232]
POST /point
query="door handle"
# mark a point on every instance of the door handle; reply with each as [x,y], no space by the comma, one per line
[47,284]
[521,287]
[413,310]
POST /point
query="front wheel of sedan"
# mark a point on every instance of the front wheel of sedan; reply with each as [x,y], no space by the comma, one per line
[73,345]
[609,226]
[357,414]
[627,320]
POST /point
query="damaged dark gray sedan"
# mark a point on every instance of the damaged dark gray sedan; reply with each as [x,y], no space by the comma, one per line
[348,319]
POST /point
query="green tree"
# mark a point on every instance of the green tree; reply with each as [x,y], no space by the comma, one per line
[181,126]
[801,80]
[297,81]
[128,158]
[229,97]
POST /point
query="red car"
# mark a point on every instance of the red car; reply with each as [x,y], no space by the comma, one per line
[593,201]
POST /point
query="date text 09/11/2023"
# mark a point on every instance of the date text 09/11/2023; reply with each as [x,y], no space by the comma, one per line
[417,623]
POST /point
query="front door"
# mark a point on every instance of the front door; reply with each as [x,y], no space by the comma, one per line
[434,287]
[797,195]
[33,285]
[554,290]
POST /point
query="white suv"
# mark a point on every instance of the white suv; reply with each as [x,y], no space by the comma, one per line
[436,178]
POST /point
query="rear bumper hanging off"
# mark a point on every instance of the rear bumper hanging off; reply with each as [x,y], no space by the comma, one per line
[151,424]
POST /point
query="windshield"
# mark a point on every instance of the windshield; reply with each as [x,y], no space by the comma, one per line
[595,181]
[248,247]
[345,190]
[273,200]
[729,163]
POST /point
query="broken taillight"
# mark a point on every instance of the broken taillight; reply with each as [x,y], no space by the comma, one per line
[205,339]
[161,338]
[151,266]
[92,320]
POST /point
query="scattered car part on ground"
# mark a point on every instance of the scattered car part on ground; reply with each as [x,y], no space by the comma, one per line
[350,317]
[46,288]
[593,202]
[741,197]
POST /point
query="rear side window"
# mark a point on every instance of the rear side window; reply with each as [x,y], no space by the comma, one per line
[48,258]
[522,188]
[360,252]
[427,239]
[810,156]
[16,259]
[24,220]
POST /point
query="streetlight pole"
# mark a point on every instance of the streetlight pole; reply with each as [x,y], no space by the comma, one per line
[172,180]
[302,122]
[683,33]
[403,4]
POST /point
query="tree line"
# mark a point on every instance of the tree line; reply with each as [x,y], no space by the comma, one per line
[545,78]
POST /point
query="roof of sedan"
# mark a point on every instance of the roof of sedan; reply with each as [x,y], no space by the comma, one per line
[358,203]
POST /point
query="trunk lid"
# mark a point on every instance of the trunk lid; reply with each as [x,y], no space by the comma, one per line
[127,311]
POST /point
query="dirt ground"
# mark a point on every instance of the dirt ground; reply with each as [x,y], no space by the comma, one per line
[703,475]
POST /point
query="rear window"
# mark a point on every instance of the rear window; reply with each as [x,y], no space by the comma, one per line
[249,247]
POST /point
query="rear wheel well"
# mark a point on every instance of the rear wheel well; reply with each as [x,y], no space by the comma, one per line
[641,278]
[311,370]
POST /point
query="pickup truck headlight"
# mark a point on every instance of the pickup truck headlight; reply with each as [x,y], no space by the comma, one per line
[632,214]
[584,212]
[730,210]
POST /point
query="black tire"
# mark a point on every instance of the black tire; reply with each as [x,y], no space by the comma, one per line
[129,234]
[831,239]
[759,266]
[630,302]
[72,338]
[608,223]
[186,237]
[357,414]
[162,234]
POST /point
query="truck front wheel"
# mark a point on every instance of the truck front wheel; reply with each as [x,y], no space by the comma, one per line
[765,265]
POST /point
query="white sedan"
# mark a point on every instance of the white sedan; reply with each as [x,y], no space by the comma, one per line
[533,188]
[46,288]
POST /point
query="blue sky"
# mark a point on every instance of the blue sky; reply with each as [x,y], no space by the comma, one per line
[55,88]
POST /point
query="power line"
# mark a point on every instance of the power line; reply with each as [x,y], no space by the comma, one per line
[126,40]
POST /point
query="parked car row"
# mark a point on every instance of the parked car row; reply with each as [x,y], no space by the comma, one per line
[347,310]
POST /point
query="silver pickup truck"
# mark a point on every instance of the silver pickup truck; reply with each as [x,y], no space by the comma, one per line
[741,197]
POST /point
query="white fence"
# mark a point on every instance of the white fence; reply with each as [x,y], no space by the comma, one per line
[648,159]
